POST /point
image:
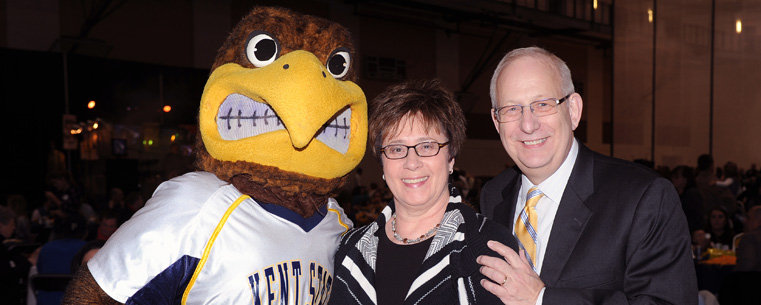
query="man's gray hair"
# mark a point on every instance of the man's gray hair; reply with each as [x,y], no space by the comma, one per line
[564,73]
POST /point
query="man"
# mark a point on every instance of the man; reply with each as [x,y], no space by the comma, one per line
[106,226]
[56,255]
[14,267]
[605,231]
[749,249]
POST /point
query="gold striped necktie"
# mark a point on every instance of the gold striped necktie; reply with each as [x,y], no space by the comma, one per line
[525,227]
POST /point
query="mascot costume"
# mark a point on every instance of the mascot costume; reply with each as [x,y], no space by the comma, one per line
[281,125]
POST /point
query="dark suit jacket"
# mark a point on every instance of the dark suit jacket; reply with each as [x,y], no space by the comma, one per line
[749,252]
[619,236]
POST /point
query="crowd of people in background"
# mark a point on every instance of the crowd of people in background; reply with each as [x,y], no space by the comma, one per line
[62,228]
[55,236]
[722,205]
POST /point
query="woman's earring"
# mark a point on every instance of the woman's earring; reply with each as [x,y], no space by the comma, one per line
[384,177]
[451,171]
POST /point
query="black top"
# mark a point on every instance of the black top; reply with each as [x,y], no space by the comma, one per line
[14,269]
[452,275]
[396,268]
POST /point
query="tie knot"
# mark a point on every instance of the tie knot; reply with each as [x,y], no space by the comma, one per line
[533,196]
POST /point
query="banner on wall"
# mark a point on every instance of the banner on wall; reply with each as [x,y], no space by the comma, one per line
[69,140]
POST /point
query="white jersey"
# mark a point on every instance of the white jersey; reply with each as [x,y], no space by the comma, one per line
[198,240]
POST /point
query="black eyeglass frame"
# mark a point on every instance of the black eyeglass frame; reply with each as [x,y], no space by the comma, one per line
[414,147]
[530,106]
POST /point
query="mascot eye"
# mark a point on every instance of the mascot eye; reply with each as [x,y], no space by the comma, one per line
[262,49]
[338,62]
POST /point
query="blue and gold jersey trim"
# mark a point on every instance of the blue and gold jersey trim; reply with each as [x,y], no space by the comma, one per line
[209,244]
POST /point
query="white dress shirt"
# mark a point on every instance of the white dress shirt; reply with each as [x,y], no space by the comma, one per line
[553,188]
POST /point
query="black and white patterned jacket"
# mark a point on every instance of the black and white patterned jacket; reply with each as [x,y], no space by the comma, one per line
[449,274]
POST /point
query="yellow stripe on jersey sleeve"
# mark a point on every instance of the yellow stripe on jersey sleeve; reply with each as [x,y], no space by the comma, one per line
[209,244]
[340,221]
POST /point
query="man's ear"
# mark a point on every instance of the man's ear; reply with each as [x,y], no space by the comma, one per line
[575,106]
[494,119]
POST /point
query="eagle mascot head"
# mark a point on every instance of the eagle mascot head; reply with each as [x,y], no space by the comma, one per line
[281,117]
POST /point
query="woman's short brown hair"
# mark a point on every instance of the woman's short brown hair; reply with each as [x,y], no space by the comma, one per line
[426,99]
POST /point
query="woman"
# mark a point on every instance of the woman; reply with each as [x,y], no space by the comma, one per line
[720,229]
[423,247]
[684,181]
[17,204]
[731,179]
[85,254]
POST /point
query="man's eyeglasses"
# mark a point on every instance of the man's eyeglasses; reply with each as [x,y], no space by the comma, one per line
[425,149]
[543,107]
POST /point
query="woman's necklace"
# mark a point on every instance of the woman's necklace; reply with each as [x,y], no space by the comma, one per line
[412,241]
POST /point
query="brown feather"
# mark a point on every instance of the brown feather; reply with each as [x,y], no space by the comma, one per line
[300,193]
[83,289]
[294,31]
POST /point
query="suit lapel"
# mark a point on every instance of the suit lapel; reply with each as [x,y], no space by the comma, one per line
[504,212]
[571,217]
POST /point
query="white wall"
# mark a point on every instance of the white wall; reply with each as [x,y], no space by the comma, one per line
[682,87]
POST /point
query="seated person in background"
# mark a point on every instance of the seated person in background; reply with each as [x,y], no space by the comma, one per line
[712,194]
[17,204]
[719,228]
[86,253]
[106,226]
[64,194]
[56,255]
[749,249]
[42,220]
[133,202]
[422,247]
[13,267]
[751,194]
[731,178]
[116,199]
[684,181]
[700,243]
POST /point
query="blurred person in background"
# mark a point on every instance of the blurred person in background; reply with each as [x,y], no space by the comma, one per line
[85,254]
[720,229]
[14,267]
[683,179]
[731,178]
[749,249]
[17,204]
[56,255]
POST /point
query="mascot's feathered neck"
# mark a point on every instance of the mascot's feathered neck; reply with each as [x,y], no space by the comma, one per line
[299,193]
